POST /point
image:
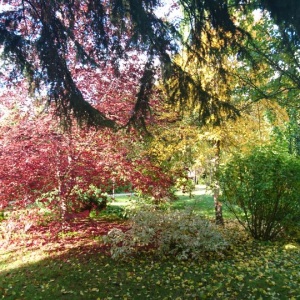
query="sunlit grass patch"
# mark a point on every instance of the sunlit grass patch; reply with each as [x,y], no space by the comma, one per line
[253,271]
[201,202]
[75,265]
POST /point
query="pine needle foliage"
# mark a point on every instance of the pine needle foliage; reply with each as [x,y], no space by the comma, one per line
[39,37]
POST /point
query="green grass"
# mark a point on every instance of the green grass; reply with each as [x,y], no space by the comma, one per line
[201,201]
[269,272]
[248,270]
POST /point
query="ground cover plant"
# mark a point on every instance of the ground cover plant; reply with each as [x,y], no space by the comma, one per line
[46,263]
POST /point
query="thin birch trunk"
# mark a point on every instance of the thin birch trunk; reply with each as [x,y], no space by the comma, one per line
[216,189]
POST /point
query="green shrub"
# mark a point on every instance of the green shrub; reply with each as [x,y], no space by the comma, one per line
[2,215]
[181,234]
[93,198]
[262,190]
[110,213]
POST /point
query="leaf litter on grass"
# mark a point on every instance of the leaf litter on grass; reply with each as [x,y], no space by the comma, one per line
[75,264]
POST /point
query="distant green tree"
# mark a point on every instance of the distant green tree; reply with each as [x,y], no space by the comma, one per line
[270,73]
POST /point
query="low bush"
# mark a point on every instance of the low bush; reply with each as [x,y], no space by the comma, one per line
[93,198]
[110,213]
[181,234]
[262,190]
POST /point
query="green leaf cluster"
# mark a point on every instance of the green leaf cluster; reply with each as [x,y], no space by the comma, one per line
[262,190]
[93,198]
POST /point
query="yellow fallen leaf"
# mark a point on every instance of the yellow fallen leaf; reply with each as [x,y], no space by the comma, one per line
[290,246]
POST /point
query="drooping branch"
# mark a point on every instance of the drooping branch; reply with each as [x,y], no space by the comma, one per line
[38,35]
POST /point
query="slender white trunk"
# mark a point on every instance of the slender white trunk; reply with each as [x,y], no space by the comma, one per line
[216,188]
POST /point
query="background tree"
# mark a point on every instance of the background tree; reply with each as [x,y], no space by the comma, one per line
[225,133]
[174,143]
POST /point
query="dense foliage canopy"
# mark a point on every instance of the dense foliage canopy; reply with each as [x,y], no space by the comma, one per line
[41,162]
[46,39]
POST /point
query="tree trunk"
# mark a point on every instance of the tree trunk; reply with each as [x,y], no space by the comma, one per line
[216,188]
[218,207]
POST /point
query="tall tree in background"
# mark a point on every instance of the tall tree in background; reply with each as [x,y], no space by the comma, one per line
[271,72]
[225,83]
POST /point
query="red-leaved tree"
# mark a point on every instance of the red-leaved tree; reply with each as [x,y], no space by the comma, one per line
[36,157]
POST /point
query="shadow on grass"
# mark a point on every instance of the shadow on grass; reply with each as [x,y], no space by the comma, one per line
[77,274]
[87,273]
[251,270]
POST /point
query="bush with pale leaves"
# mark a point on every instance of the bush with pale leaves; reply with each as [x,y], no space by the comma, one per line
[181,234]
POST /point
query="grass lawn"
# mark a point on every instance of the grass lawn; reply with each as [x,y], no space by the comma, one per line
[201,201]
[75,265]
